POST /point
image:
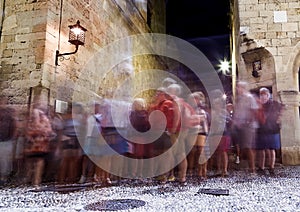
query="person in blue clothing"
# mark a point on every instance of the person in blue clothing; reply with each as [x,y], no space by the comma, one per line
[268,137]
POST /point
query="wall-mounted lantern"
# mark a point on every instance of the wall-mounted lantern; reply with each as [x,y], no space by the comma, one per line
[76,37]
[256,72]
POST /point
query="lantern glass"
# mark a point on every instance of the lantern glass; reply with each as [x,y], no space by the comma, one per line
[77,34]
[76,31]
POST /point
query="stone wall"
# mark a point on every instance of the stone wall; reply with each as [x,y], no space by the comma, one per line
[22,48]
[274,25]
[34,30]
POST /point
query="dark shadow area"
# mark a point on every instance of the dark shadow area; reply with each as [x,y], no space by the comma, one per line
[115,204]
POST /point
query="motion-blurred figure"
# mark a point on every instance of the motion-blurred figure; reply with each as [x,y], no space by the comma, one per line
[268,138]
[7,137]
[245,122]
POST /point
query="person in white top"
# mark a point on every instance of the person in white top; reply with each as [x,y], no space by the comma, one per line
[91,146]
[245,122]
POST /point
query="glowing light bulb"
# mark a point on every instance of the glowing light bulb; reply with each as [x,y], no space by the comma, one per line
[76,30]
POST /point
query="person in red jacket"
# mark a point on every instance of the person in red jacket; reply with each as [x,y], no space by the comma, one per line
[164,112]
[187,118]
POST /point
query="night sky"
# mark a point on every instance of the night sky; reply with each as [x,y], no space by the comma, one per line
[197,18]
[205,24]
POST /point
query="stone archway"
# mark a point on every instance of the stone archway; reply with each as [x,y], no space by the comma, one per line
[259,70]
[293,63]
[257,66]
[288,88]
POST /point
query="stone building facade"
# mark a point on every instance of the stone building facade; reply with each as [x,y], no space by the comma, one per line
[32,31]
[269,55]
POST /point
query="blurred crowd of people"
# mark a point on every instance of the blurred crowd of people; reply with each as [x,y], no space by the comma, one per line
[194,134]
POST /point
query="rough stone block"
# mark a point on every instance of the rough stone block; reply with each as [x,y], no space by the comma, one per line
[281,34]
[39,28]
[8,38]
[250,7]
[290,27]
[261,7]
[274,27]
[260,35]
[249,14]
[294,5]
[271,35]
[32,36]
[281,42]
[272,6]
[265,14]
[291,155]
[7,53]
[257,20]
[10,22]
[259,27]
[23,30]
[19,45]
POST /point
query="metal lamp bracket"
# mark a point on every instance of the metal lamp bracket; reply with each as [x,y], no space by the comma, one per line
[57,54]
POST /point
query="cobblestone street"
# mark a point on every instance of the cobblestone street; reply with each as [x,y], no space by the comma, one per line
[245,193]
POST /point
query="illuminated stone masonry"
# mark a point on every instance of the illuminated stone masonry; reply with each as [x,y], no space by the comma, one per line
[270,36]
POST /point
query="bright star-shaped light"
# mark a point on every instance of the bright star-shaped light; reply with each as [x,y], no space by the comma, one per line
[224,67]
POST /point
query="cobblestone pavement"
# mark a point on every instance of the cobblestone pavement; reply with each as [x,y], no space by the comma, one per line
[245,193]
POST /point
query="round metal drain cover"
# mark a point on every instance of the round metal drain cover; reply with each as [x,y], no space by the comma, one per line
[115,204]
